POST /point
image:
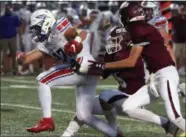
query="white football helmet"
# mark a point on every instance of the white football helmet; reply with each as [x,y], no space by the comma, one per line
[151,9]
[42,21]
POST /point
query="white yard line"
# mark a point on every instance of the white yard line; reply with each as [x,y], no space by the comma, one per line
[60,104]
[35,108]
[57,87]
[34,82]
[18,81]
[54,110]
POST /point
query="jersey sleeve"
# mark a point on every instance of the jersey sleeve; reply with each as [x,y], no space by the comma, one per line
[42,48]
[139,38]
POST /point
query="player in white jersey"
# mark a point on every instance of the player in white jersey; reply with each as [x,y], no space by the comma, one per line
[154,17]
[61,41]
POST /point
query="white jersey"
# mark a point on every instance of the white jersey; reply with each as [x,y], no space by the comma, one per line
[54,46]
[160,22]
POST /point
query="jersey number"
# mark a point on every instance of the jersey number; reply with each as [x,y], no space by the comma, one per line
[59,54]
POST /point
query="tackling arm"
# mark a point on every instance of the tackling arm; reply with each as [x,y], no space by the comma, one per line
[127,63]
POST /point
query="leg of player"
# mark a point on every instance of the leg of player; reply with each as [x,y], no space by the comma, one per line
[167,86]
[130,107]
[109,111]
[73,127]
[75,124]
[59,75]
[144,96]
[85,99]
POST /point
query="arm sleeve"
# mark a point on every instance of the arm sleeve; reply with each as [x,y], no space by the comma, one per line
[139,37]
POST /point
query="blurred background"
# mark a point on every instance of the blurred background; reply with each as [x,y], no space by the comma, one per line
[95,17]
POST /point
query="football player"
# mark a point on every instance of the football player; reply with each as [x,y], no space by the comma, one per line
[149,44]
[131,85]
[154,17]
[61,41]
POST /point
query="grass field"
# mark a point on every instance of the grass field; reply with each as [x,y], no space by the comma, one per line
[20,109]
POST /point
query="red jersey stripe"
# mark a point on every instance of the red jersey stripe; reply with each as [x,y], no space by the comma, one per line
[56,74]
[63,24]
[163,22]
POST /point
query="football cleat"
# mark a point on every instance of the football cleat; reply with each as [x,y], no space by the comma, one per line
[45,124]
[170,129]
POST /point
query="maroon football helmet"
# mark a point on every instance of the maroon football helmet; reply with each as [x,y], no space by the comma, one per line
[118,39]
[130,12]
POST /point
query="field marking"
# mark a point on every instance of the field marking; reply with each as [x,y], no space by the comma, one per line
[57,87]
[57,110]
[35,108]
[19,81]
[35,82]
[60,104]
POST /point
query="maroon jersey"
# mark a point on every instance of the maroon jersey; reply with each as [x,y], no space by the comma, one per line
[155,54]
[129,79]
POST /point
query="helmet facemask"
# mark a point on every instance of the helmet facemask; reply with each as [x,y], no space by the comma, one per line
[41,24]
[114,44]
[148,13]
[151,9]
[37,34]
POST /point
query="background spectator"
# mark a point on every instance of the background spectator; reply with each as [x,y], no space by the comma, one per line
[86,15]
[9,23]
[179,38]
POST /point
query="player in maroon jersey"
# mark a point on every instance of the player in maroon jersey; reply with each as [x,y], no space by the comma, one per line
[149,44]
[131,93]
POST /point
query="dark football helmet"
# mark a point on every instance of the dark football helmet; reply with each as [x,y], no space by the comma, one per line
[130,12]
[118,39]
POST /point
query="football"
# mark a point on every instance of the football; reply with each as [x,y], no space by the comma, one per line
[73,48]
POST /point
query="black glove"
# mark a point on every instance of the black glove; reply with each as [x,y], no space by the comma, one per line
[74,65]
[96,68]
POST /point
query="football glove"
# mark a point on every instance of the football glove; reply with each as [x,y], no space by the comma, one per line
[96,68]
[74,65]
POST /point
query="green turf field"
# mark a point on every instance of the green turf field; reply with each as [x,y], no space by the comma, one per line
[20,109]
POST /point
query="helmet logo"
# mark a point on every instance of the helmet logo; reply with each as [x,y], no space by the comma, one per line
[41,16]
[120,30]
